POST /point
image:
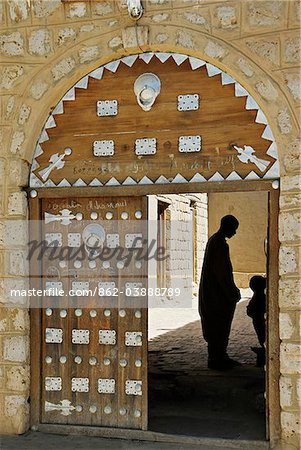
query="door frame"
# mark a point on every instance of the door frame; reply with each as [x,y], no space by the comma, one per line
[273,341]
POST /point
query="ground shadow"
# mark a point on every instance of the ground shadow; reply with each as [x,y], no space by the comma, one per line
[187,398]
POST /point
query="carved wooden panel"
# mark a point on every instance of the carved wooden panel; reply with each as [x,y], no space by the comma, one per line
[232,136]
[90,374]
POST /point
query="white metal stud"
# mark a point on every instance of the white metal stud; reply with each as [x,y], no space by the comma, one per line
[138,214]
[106,361]
[138,363]
[48,359]
[63,359]
[138,314]
[78,360]
[92,361]
[92,264]
[77,264]
[48,312]
[107,312]
[109,215]
[93,409]
[137,413]
[120,264]
[94,215]
[93,313]
[33,193]
[122,313]
[78,312]
[63,313]
[124,215]
[107,409]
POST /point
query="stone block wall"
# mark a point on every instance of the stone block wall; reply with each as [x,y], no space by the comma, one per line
[47,45]
[184,232]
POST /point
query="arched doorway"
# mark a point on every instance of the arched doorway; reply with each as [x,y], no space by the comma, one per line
[101,151]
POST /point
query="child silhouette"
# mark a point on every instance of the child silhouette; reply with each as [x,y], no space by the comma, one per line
[256,310]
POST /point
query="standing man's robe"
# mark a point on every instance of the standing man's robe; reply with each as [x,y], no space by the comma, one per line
[218,296]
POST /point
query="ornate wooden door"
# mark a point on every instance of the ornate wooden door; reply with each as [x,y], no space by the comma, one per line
[94,320]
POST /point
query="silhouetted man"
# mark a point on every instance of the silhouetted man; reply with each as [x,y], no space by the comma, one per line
[218,295]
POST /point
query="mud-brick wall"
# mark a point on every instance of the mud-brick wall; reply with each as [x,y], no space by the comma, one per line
[247,247]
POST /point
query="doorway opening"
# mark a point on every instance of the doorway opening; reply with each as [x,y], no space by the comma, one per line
[185,397]
[97,162]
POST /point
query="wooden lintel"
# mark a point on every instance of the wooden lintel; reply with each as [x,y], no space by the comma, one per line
[153,189]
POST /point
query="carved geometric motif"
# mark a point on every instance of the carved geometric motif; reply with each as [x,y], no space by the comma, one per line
[53,335]
[188,144]
[53,239]
[74,239]
[103,148]
[53,383]
[112,240]
[133,338]
[107,108]
[107,337]
[133,240]
[133,387]
[106,288]
[189,102]
[80,384]
[145,146]
[106,385]
[133,289]
[80,287]
[80,336]
[53,288]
